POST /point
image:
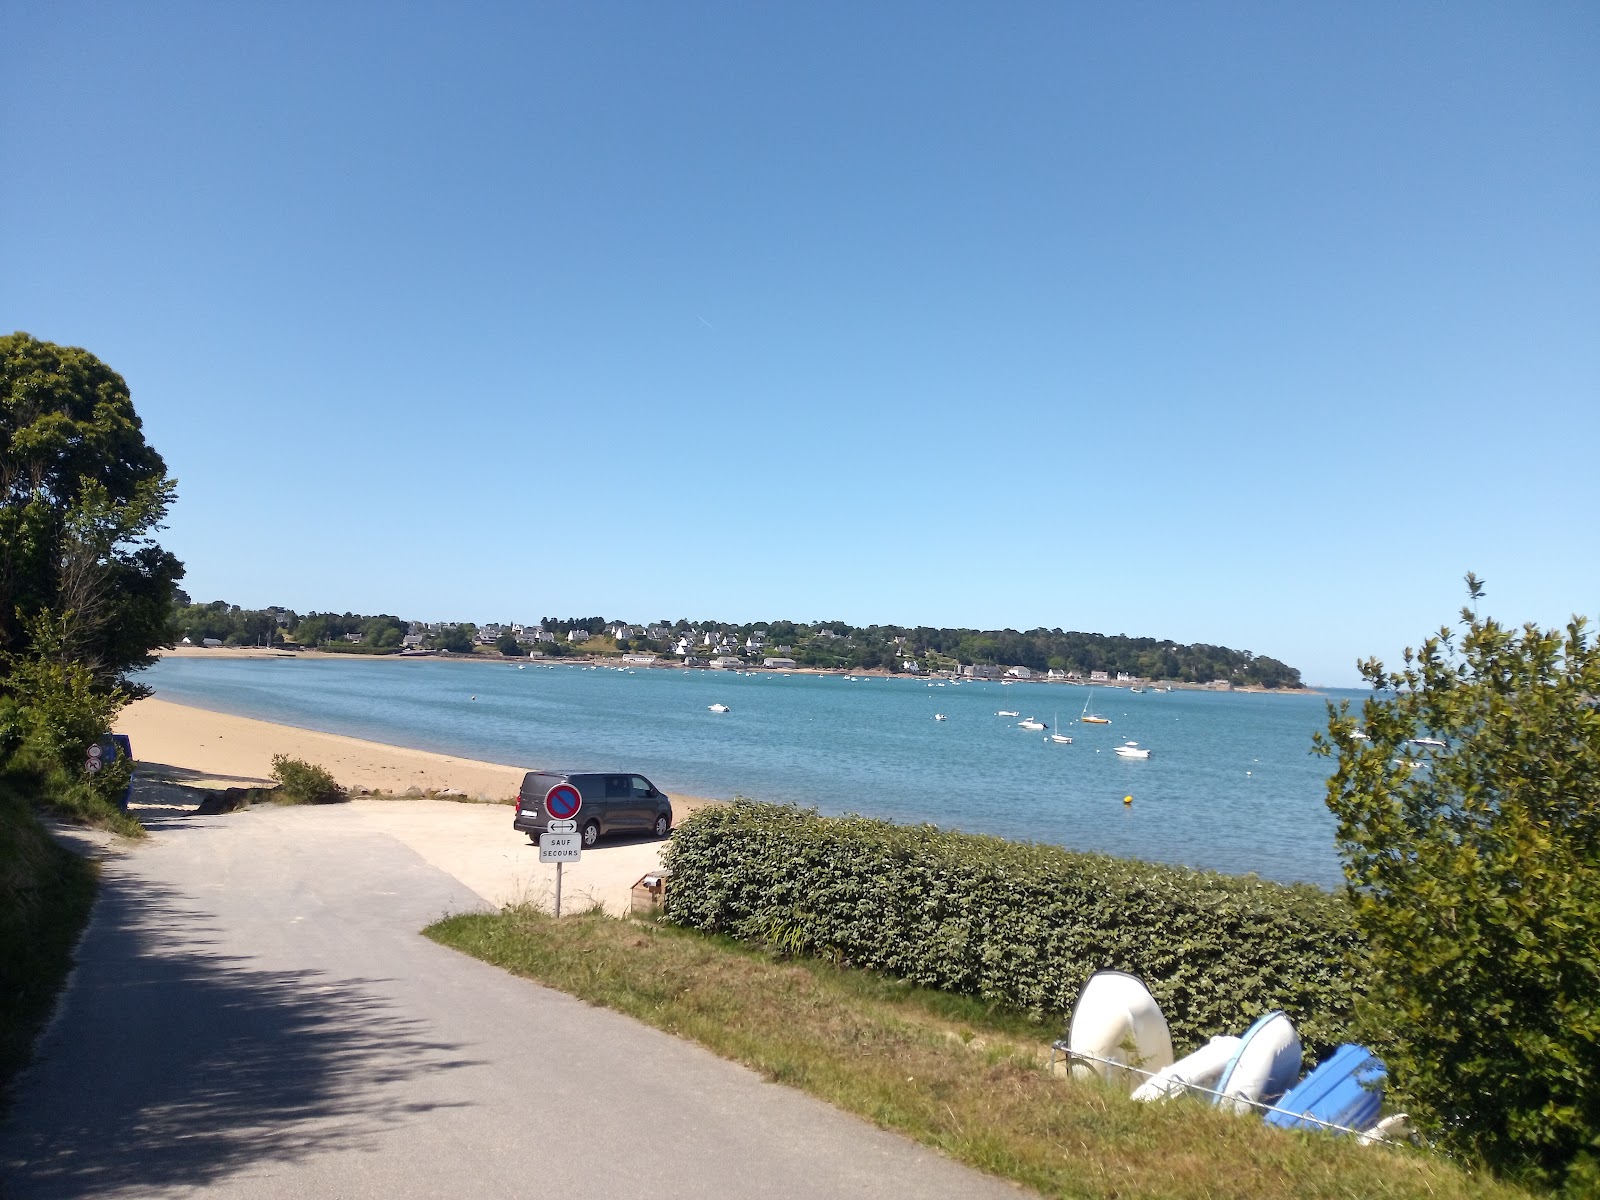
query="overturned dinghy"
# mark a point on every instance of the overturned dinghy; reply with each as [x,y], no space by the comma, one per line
[1264,1067]
[1200,1070]
[1116,1025]
[1343,1095]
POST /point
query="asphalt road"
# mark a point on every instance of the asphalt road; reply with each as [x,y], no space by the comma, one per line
[256,1015]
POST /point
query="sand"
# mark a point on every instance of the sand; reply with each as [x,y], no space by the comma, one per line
[182,752]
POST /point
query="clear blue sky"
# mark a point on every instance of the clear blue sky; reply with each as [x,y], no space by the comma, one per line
[1253,324]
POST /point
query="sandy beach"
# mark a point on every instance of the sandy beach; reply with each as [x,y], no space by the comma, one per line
[183,752]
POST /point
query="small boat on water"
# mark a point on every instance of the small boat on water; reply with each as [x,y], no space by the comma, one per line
[719,708]
[1132,750]
[1007,712]
[1089,718]
[1057,736]
[940,717]
[1031,725]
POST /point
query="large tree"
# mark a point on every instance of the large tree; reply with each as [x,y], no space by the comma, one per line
[1468,802]
[81,495]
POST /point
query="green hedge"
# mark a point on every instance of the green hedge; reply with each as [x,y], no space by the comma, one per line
[1016,923]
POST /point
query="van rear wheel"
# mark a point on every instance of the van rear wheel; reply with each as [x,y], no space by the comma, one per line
[591,834]
[662,825]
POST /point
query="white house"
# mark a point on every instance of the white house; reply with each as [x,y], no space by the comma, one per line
[1099,677]
[1018,673]
[725,661]
[981,671]
[778,664]
[578,636]
[639,660]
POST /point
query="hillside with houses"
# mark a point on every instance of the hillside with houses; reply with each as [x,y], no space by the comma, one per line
[1049,654]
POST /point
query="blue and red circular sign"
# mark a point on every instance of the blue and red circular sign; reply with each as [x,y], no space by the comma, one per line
[562,802]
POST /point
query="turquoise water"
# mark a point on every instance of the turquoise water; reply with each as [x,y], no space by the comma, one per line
[1230,785]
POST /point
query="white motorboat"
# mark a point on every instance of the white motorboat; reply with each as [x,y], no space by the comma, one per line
[719,708]
[1031,725]
[940,717]
[1007,712]
[1132,750]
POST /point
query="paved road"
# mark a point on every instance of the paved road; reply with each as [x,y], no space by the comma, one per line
[255,1015]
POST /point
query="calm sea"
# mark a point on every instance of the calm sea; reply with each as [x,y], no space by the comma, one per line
[1231,783]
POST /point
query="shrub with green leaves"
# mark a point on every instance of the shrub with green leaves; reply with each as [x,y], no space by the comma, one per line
[300,782]
[1015,923]
[1474,862]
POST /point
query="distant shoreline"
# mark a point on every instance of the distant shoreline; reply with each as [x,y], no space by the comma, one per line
[242,652]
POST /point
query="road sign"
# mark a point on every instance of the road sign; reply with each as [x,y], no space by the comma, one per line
[561,827]
[560,847]
[95,751]
[562,802]
[92,765]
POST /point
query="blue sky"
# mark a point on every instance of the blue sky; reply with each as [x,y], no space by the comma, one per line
[1252,324]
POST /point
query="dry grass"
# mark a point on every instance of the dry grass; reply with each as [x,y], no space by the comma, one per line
[945,1070]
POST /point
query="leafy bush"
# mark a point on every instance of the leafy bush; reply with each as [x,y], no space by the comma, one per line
[1474,862]
[1015,923]
[51,710]
[300,782]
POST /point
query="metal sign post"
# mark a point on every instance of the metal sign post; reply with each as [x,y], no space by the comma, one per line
[560,842]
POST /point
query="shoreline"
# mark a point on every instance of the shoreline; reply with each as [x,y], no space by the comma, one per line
[246,652]
[200,747]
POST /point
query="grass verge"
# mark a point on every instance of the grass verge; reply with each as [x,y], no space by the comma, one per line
[46,893]
[954,1074]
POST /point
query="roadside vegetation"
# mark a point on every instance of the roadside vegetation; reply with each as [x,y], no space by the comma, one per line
[1015,923]
[85,594]
[46,893]
[957,1074]
[300,782]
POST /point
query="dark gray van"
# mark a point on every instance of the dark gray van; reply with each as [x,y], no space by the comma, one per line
[612,803]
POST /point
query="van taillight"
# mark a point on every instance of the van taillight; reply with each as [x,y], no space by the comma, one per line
[519,805]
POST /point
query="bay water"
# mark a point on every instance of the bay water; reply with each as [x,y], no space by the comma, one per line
[1230,785]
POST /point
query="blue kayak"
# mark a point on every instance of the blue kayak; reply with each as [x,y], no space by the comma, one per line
[1345,1090]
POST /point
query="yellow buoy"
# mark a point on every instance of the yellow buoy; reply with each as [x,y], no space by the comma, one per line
[1127,799]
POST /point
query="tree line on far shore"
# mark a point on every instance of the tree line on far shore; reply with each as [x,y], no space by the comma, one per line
[826,644]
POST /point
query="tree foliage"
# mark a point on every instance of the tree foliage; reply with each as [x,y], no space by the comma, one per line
[1473,859]
[81,494]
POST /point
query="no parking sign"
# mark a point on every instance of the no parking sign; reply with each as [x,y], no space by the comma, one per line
[562,802]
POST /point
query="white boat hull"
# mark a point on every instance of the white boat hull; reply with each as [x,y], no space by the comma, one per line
[1264,1067]
[1202,1069]
[1117,1024]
